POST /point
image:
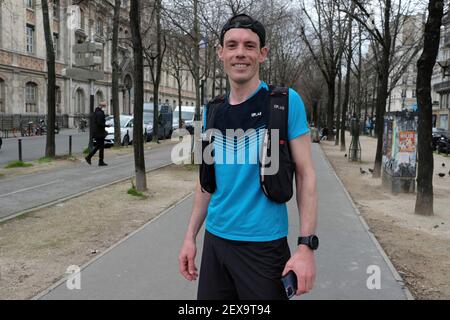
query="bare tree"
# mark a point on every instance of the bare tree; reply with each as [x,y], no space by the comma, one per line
[347,80]
[177,68]
[383,45]
[138,54]
[51,85]
[425,64]
[154,51]
[325,45]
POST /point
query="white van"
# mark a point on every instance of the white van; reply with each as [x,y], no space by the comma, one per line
[187,117]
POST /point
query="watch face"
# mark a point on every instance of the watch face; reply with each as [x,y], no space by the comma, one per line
[314,242]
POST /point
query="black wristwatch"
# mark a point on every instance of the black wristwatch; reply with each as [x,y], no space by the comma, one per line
[311,241]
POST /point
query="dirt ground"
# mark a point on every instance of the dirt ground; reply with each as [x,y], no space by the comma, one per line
[37,248]
[418,246]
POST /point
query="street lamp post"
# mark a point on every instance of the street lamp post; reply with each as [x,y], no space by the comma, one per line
[445,65]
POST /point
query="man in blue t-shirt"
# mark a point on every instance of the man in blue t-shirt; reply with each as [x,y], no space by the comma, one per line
[245,251]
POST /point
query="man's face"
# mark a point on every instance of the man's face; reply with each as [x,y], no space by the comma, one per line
[241,55]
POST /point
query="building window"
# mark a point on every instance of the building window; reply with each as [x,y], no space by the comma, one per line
[56,44]
[443,121]
[58,99]
[99,97]
[82,20]
[30,38]
[31,97]
[30,4]
[79,101]
[100,28]
[56,9]
[2,96]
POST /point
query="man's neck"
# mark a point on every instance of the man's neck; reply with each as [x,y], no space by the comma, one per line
[240,92]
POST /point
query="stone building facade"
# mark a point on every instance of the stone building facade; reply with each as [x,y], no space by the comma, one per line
[23,68]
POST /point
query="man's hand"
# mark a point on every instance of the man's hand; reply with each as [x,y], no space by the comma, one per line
[186,260]
[303,264]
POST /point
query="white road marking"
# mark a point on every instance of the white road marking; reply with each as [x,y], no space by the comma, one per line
[30,188]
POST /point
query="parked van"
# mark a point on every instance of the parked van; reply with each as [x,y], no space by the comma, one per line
[165,121]
[187,118]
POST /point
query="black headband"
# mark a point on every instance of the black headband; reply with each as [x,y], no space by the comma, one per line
[245,22]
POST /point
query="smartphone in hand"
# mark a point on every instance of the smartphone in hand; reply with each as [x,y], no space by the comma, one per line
[290,283]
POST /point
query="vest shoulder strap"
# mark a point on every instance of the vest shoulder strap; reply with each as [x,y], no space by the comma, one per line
[279,110]
[212,108]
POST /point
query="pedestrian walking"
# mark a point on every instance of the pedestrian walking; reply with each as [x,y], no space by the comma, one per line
[99,134]
[245,250]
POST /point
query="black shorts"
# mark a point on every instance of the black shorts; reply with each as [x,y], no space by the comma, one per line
[245,270]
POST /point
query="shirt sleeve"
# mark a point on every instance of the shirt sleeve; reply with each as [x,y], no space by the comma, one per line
[297,121]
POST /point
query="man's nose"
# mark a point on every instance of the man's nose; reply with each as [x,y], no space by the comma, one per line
[240,52]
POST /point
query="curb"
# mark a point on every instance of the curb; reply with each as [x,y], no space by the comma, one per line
[391,267]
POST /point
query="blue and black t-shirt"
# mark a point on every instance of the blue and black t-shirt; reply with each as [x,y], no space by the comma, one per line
[238,209]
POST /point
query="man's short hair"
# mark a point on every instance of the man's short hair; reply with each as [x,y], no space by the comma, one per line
[245,22]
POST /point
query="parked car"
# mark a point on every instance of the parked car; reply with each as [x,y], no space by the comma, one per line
[126,130]
[443,144]
[165,118]
[436,135]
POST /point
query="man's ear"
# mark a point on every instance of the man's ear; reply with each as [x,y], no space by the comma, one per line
[220,51]
[264,53]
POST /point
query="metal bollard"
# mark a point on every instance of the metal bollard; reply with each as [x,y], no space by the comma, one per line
[20,149]
[70,146]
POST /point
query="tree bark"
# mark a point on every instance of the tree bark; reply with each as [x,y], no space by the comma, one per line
[383,89]
[425,64]
[51,83]
[330,107]
[138,54]
[347,82]
[115,74]
[338,107]
[157,77]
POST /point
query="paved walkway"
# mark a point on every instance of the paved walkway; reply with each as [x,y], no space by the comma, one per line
[144,266]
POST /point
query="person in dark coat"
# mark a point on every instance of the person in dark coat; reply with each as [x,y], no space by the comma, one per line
[99,134]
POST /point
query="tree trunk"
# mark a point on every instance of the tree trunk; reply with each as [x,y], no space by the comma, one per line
[115,74]
[51,85]
[138,54]
[158,72]
[213,89]
[179,103]
[347,84]
[330,106]
[315,113]
[360,58]
[383,89]
[338,109]
[425,64]
[196,75]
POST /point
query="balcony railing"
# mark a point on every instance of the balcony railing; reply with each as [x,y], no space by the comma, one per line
[441,86]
